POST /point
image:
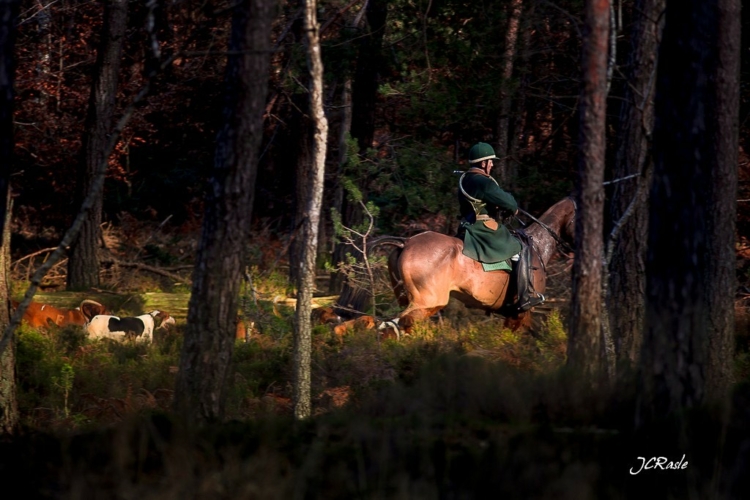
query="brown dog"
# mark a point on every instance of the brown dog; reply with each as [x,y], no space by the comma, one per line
[39,315]
[324,316]
[361,323]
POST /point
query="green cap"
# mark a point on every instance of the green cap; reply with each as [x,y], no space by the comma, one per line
[481,151]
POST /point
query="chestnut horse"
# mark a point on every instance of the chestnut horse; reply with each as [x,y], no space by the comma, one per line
[428,268]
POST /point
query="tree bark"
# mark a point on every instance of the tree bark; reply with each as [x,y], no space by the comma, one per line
[720,278]
[503,122]
[8,15]
[8,401]
[306,275]
[627,282]
[300,131]
[212,311]
[688,330]
[365,85]
[9,418]
[584,343]
[83,261]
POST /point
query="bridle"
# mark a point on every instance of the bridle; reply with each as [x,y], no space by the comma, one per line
[561,244]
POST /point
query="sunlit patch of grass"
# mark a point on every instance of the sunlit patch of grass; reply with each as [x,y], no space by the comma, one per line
[541,351]
[553,341]
[270,283]
[359,364]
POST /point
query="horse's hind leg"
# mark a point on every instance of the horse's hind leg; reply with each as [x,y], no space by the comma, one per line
[406,321]
[397,282]
[418,290]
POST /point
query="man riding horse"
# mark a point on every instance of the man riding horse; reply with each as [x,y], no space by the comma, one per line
[429,268]
[484,205]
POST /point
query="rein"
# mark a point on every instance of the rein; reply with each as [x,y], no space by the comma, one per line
[550,230]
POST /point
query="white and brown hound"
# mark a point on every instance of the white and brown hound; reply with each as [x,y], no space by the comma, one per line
[140,328]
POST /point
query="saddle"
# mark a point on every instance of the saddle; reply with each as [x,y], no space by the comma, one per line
[521,294]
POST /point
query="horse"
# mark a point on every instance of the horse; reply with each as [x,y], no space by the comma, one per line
[428,268]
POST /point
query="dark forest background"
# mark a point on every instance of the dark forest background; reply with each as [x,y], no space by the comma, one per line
[427,84]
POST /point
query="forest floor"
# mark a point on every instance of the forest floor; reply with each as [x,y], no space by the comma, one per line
[462,409]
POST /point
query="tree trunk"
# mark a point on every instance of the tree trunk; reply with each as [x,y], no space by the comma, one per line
[720,278]
[337,195]
[8,402]
[344,132]
[362,125]
[691,217]
[306,280]
[503,122]
[519,104]
[44,71]
[212,311]
[300,131]
[365,86]
[8,15]
[83,262]
[584,344]
[627,282]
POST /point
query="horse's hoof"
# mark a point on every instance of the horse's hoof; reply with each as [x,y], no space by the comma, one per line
[389,330]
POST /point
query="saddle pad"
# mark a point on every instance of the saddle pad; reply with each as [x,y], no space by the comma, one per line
[497,266]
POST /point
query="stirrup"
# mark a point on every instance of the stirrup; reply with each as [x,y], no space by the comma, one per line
[532,302]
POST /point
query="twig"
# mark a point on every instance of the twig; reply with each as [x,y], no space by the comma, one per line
[145,267]
[338,14]
[150,237]
[109,292]
[34,254]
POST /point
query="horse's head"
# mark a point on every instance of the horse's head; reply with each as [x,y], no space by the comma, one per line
[557,228]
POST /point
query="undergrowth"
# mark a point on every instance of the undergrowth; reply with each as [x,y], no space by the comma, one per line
[472,411]
[65,380]
[108,380]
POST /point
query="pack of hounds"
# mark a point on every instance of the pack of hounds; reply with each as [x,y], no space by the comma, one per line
[96,321]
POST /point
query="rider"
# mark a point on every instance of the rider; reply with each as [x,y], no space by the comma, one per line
[483,203]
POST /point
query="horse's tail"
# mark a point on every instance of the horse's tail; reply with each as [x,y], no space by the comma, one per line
[396,241]
[354,299]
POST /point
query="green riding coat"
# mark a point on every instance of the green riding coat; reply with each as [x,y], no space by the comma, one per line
[486,240]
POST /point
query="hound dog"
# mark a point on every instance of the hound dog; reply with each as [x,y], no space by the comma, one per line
[139,328]
[39,315]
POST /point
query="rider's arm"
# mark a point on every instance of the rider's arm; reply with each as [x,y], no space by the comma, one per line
[494,195]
